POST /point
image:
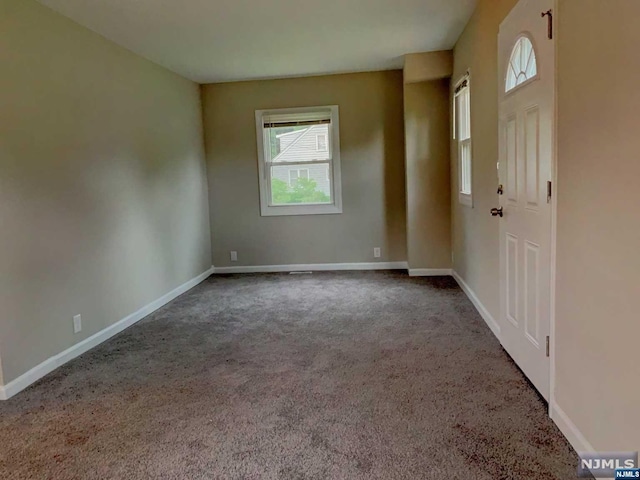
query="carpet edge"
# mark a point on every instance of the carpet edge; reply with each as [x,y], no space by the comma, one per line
[49,365]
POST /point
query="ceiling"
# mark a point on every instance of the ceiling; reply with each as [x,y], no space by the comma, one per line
[226,40]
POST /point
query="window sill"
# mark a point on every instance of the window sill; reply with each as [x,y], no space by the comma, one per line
[465,199]
[284,210]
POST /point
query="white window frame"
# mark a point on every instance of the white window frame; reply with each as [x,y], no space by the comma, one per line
[465,165]
[267,209]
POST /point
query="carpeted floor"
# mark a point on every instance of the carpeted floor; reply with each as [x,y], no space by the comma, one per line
[359,375]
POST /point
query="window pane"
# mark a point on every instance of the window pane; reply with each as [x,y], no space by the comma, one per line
[293,185]
[463,116]
[465,167]
[298,143]
[522,64]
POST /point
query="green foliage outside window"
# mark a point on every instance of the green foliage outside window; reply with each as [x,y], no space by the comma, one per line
[304,191]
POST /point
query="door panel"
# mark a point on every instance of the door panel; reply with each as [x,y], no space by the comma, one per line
[512,279]
[512,165]
[532,292]
[532,159]
[526,116]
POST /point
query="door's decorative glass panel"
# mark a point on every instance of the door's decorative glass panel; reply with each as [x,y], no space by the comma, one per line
[522,64]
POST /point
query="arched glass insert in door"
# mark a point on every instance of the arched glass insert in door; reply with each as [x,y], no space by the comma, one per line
[522,64]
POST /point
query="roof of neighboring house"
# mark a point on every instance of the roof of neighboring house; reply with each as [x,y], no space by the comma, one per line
[295,142]
[290,133]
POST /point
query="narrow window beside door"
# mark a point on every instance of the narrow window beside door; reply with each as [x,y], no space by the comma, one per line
[462,135]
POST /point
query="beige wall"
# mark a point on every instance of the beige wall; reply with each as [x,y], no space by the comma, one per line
[426,118]
[372,156]
[598,272]
[103,192]
[598,227]
[422,67]
[475,232]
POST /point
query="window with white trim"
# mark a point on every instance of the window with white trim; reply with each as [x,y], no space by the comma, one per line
[299,161]
[462,135]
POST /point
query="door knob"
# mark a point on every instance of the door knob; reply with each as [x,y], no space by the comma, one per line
[497,212]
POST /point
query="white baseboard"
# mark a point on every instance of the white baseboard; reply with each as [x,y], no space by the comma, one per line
[484,313]
[317,267]
[561,419]
[569,429]
[23,381]
[429,272]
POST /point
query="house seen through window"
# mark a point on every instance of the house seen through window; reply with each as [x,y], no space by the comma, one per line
[295,175]
[321,142]
[299,157]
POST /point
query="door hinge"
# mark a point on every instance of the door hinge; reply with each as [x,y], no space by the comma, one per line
[547,345]
[549,191]
[549,15]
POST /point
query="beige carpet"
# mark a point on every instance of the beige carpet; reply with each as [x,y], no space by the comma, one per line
[366,375]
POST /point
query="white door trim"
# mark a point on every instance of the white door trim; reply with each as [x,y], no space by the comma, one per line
[554,222]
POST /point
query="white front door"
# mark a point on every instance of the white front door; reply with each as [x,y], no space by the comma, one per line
[526,65]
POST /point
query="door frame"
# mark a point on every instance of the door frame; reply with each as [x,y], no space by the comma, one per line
[554,220]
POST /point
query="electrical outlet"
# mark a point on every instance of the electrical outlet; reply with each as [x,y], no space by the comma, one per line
[376,252]
[77,324]
[234,256]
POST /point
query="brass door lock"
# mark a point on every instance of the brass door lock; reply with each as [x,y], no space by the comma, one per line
[500,189]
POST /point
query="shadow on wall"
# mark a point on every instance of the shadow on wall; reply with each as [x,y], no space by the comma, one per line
[427,141]
[99,236]
[394,177]
[103,186]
